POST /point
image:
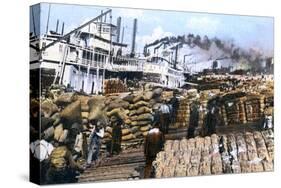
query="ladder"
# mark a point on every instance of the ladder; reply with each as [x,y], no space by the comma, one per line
[60,70]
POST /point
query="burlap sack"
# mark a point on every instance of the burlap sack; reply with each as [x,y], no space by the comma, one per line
[145,128]
[134,118]
[84,102]
[118,104]
[132,112]
[140,104]
[48,108]
[107,135]
[157,92]
[85,115]
[58,132]
[72,112]
[148,95]
[96,105]
[129,98]
[128,137]
[138,134]
[138,98]
[145,117]
[145,133]
[143,110]
[119,112]
[135,129]
[125,132]
[140,123]
[66,98]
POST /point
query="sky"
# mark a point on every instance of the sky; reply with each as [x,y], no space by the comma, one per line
[246,31]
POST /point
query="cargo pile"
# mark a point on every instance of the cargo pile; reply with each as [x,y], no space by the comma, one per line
[135,109]
[114,86]
[231,153]
[183,113]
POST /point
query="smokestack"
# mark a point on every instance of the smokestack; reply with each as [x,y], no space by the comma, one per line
[62,28]
[176,56]
[101,23]
[118,29]
[57,27]
[134,38]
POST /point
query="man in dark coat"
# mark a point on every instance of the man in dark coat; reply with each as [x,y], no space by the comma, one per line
[116,123]
[212,119]
[193,120]
[175,105]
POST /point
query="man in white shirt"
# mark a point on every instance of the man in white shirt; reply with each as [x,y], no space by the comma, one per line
[164,117]
[95,141]
[41,149]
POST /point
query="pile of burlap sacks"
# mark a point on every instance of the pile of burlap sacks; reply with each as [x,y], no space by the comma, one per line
[135,109]
[233,153]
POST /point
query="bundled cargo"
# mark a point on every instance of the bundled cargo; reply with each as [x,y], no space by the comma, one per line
[232,153]
[183,113]
[254,107]
[114,86]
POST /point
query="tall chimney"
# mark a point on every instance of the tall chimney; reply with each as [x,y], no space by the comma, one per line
[176,55]
[62,28]
[134,38]
[118,29]
[57,27]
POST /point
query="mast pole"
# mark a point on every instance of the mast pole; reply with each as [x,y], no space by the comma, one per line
[47,26]
[33,21]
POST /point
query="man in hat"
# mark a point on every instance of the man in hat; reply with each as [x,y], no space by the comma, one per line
[116,124]
[175,105]
[95,137]
[193,119]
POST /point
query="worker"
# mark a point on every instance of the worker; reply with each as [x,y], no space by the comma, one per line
[116,124]
[164,118]
[267,120]
[212,118]
[40,151]
[193,120]
[95,137]
[175,105]
[76,140]
[154,142]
